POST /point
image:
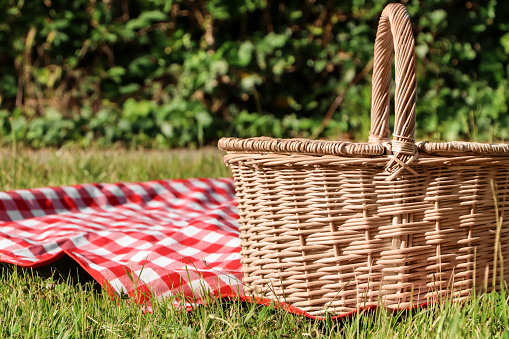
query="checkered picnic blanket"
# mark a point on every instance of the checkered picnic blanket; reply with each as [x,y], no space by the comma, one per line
[168,237]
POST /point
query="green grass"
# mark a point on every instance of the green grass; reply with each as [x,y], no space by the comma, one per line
[25,168]
[37,304]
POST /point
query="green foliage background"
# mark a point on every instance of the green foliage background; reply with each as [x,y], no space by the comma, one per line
[158,73]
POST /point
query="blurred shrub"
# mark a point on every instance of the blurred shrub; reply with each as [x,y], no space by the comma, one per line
[160,73]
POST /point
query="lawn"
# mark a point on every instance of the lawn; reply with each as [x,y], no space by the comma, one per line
[39,304]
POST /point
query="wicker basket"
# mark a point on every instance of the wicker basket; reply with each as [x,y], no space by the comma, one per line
[330,227]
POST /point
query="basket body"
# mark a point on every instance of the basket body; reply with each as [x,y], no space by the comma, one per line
[331,227]
[333,235]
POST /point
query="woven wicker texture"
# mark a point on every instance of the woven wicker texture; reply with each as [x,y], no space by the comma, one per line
[331,227]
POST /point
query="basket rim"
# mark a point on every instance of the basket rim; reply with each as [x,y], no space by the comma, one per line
[355,149]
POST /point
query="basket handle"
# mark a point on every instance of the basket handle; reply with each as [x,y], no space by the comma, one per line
[394,36]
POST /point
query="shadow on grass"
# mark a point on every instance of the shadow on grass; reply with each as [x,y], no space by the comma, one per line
[64,269]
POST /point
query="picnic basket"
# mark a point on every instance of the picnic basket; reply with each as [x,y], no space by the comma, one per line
[331,227]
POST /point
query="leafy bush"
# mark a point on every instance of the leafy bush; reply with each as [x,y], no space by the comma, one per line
[160,73]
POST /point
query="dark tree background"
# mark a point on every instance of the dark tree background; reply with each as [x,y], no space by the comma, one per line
[157,73]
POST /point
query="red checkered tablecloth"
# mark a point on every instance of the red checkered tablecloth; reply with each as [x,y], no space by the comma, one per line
[168,237]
